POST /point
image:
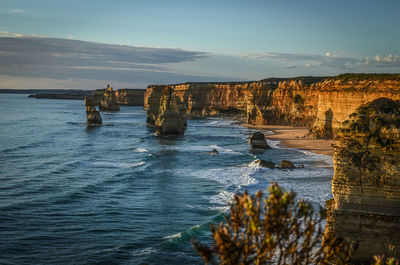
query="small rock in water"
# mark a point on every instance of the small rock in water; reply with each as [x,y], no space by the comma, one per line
[214,152]
[286,164]
[263,163]
[257,140]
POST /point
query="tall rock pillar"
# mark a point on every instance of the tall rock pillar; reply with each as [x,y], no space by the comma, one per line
[93,116]
[171,120]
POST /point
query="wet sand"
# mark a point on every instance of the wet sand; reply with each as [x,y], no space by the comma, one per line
[296,137]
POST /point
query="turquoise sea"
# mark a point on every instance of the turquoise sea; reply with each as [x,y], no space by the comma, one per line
[117,193]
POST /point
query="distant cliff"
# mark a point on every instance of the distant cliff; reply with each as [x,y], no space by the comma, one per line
[63,94]
[127,97]
[130,97]
[320,103]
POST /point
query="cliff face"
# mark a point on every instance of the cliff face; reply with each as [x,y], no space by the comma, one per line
[202,99]
[130,97]
[109,101]
[284,101]
[338,98]
[366,182]
[321,103]
[125,97]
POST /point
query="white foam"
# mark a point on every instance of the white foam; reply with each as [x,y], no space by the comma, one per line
[204,148]
[233,179]
[273,143]
[257,166]
[117,164]
[143,252]
[319,157]
[172,236]
[141,150]
[211,122]
[219,122]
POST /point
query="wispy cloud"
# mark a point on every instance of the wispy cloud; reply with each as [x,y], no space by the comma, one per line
[328,60]
[18,11]
[10,34]
[39,57]
[288,67]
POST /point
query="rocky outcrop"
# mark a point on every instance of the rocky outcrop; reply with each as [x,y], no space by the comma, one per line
[170,119]
[93,116]
[320,103]
[213,152]
[257,140]
[109,100]
[286,164]
[263,163]
[366,182]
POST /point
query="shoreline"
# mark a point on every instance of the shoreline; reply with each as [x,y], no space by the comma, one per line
[296,137]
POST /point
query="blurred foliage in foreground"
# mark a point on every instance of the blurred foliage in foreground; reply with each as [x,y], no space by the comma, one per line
[275,230]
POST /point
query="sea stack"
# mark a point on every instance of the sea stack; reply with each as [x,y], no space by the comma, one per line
[93,116]
[109,100]
[366,182]
[170,120]
[257,140]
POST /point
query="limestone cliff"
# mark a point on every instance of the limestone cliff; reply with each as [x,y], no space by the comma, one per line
[202,99]
[93,116]
[125,97]
[321,103]
[97,95]
[366,182]
[130,97]
[108,101]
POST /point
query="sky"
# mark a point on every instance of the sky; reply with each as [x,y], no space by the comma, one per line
[131,43]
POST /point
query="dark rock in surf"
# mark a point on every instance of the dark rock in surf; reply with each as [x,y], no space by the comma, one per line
[257,140]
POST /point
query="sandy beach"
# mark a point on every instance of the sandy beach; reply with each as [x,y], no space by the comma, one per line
[296,137]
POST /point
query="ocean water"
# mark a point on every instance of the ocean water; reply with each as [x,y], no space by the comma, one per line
[116,193]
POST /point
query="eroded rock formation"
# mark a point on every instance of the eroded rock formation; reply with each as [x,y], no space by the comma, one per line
[93,116]
[321,103]
[109,100]
[286,164]
[366,182]
[263,163]
[257,140]
[170,119]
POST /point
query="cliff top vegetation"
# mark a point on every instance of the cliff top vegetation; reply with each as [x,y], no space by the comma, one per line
[367,77]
